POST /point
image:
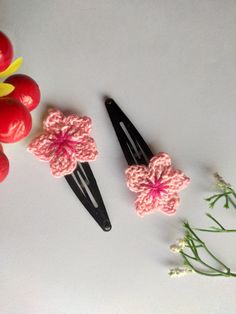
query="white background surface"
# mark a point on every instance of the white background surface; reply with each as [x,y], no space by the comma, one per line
[171,66]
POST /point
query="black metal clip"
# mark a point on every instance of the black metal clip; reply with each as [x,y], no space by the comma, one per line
[134,147]
[85,187]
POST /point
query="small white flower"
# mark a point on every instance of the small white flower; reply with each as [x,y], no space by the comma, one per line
[180,271]
[220,182]
[174,248]
[178,245]
[182,243]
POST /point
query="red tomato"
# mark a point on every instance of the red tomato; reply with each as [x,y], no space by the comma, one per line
[6,52]
[15,120]
[26,90]
[4,165]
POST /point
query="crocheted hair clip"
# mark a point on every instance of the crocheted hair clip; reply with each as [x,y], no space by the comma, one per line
[152,177]
[66,144]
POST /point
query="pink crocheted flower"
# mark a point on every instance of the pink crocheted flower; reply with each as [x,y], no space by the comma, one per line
[64,142]
[157,185]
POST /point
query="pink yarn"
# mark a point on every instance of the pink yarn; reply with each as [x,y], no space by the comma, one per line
[157,185]
[64,142]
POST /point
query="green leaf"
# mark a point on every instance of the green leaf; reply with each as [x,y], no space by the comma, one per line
[6,89]
[13,67]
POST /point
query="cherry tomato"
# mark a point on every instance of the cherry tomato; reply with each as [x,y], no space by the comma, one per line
[4,165]
[6,52]
[15,120]
[26,90]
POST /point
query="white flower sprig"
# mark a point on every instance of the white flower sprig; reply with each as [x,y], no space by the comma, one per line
[192,246]
[226,191]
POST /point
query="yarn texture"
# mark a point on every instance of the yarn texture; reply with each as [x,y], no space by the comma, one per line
[65,141]
[157,185]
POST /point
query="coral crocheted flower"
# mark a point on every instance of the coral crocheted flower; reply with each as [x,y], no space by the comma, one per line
[157,185]
[64,142]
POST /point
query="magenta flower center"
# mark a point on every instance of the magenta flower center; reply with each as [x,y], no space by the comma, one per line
[63,143]
[156,188]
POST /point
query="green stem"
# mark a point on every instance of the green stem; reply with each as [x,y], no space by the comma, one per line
[226,202]
[193,233]
[205,247]
[221,230]
[198,271]
[198,259]
[212,268]
[189,256]
[233,192]
[216,259]
[212,230]
[232,202]
[212,204]
[217,271]
[216,221]
[192,247]
[196,246]
[213,197]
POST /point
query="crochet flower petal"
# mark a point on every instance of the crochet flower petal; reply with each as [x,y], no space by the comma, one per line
[144,204]
[175,179]
[78,126]
[137,177]
[158,163]
[170,204]
[54,121]
[62,164]
[86,149]
[40,147]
